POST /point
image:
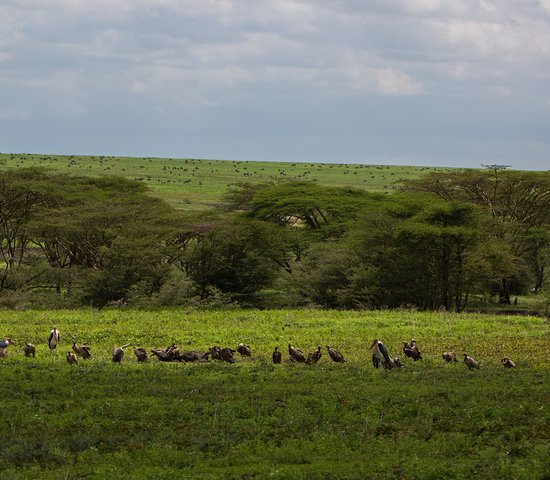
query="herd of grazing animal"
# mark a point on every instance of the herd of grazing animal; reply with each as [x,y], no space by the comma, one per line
[173,353]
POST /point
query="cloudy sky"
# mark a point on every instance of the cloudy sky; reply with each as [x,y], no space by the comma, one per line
[424,82]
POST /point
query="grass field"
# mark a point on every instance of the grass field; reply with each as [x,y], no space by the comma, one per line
[197,184]
[253,419]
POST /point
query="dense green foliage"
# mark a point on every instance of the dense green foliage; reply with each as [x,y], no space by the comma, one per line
[253,419]
[454,240]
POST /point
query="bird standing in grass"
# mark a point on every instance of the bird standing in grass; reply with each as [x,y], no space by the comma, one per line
[314,357]
[277,356]
[244,350]
[380,355]
[82,351]
[54,339]
[507,363]
[470,362]
[296,355]
[141,354]
[335,355]
[449,357]
[411,351]
[118,353]
[71,358]
[29,349]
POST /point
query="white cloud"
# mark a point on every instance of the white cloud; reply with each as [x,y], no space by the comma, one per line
[79,57]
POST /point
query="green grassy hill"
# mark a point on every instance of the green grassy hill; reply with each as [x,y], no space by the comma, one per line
[194,184]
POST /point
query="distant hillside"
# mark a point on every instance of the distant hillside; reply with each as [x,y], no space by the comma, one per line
[189,183]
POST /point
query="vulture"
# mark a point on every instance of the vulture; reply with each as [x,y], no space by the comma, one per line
[380,355]
[335,355]
[29,349]
[3,352]
[54,338]
[226,354]
[71,358]
[470,362]
[244,350]
[314,357]
[449,357]
[507,363]
[118,353]
[194,356]
[82,351]
[397,363]
[215,352]
[277,356]
[411,351]
[296,355]
[141,354]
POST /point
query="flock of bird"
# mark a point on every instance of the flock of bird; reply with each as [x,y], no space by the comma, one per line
[173,353]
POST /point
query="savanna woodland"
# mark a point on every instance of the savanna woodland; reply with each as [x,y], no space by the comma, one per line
[183,260]
[449,239]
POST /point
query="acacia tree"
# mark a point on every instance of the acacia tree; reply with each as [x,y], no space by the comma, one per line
[519,202]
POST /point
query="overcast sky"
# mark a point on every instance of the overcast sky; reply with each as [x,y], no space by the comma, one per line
[423,82]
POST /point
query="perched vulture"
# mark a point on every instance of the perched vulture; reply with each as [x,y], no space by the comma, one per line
[397,363]
[277,356]
[118,353]
[29,349]
[71,358]
[449,357]
[507,363]
[314,357]
[296,355]
[244,350]
[411,351]
[82,351]
[470,362]
[141,354]
[335,355]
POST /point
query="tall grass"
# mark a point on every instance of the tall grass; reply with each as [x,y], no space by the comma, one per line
[254,419]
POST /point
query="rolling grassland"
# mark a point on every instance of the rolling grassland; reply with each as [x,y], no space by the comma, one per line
[190,184]
[253,419]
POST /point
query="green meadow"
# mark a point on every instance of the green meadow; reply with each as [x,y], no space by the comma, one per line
[198,184]
[253,419]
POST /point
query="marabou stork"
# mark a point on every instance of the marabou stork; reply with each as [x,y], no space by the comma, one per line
[71,358]
[277,356]
[314,357]
[244,350]
[470,362]
[54,338]
[449,357]
[296,355]
[335,355]
[507,363]
[29,349]
[380,355]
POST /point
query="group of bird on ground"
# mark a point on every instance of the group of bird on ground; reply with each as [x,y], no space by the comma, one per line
[173,353]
